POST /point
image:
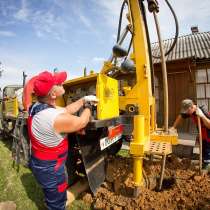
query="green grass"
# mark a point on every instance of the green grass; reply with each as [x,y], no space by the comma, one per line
[20,186]
[124,153]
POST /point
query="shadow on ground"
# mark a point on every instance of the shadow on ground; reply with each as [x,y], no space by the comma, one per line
[7,141]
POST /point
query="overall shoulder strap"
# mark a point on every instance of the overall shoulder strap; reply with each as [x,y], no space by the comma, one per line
[38,107]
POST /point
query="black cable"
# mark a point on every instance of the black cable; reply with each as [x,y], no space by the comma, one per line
[177,31]
[129,47]
[120,19]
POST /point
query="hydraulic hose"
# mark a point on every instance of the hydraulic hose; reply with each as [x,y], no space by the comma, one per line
[154,8]
[176,33]
[120,20]
[164,73]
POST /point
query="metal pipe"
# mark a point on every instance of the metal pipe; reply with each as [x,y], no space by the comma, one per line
[137,154]
[164,73]
[162,171]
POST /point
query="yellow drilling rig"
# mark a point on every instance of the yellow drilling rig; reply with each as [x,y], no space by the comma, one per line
[126,108]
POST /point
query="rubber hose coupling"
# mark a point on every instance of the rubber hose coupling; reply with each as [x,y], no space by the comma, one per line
[153,6]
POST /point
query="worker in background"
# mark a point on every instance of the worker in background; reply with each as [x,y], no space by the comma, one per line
[47,125]
[189,109]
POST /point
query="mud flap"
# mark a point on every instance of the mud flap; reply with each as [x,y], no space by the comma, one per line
[93,159]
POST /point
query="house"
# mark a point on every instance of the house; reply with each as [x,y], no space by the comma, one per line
[188,69]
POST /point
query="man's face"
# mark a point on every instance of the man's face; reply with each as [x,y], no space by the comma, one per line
[57,91]
[191,110]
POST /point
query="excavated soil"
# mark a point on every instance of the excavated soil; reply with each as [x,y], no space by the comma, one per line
[183,187]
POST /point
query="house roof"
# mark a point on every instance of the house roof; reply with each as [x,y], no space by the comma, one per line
[195,45]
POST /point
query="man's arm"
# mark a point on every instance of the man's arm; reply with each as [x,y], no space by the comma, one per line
[67,123]
[205,120]
[75,106]
[178,121]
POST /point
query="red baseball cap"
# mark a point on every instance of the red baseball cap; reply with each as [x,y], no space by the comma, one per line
[46,80]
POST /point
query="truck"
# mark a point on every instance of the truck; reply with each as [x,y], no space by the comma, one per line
[126,108]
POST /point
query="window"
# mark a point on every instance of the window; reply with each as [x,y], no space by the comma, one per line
[200,89]
[207,90]
[208,74]
[203,87]
[201,76]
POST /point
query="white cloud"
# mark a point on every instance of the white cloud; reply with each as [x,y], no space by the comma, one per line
[7,33]
[110,10]
[46,23]
[8,77]
[85,21]
[189,13]
[114,36]
[24,12]
[14,63]
[98,59]
[79,11]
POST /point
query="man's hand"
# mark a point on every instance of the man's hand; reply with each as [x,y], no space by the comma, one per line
[199,112]
[91,99]
[172,130]
[81,132]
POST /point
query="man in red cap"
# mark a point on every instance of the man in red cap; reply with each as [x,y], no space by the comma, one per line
[47,125]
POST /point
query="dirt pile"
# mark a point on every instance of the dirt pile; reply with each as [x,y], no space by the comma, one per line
[183,187]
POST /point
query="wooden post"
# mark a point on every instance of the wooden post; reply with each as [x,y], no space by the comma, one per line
[200,144]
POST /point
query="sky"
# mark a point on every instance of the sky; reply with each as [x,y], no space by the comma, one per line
[37,35]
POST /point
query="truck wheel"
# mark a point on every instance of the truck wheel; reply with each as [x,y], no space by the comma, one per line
[73,159]
[20,145]
[115,148]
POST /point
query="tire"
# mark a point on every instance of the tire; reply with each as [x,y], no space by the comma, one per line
[20,145]
[115,148]
[72,160]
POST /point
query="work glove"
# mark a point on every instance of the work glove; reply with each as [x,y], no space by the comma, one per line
[199,112]
[93,100]
[172,130]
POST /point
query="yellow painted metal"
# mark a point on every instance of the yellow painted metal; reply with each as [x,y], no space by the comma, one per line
[126,89]
[141,93]
[137,148]
[137,176]
[60,102]
[153,115]
[161,136]
[80,80]
[11,107]
[107,92]
[106,67]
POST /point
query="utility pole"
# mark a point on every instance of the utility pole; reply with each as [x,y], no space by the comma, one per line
[24,78]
